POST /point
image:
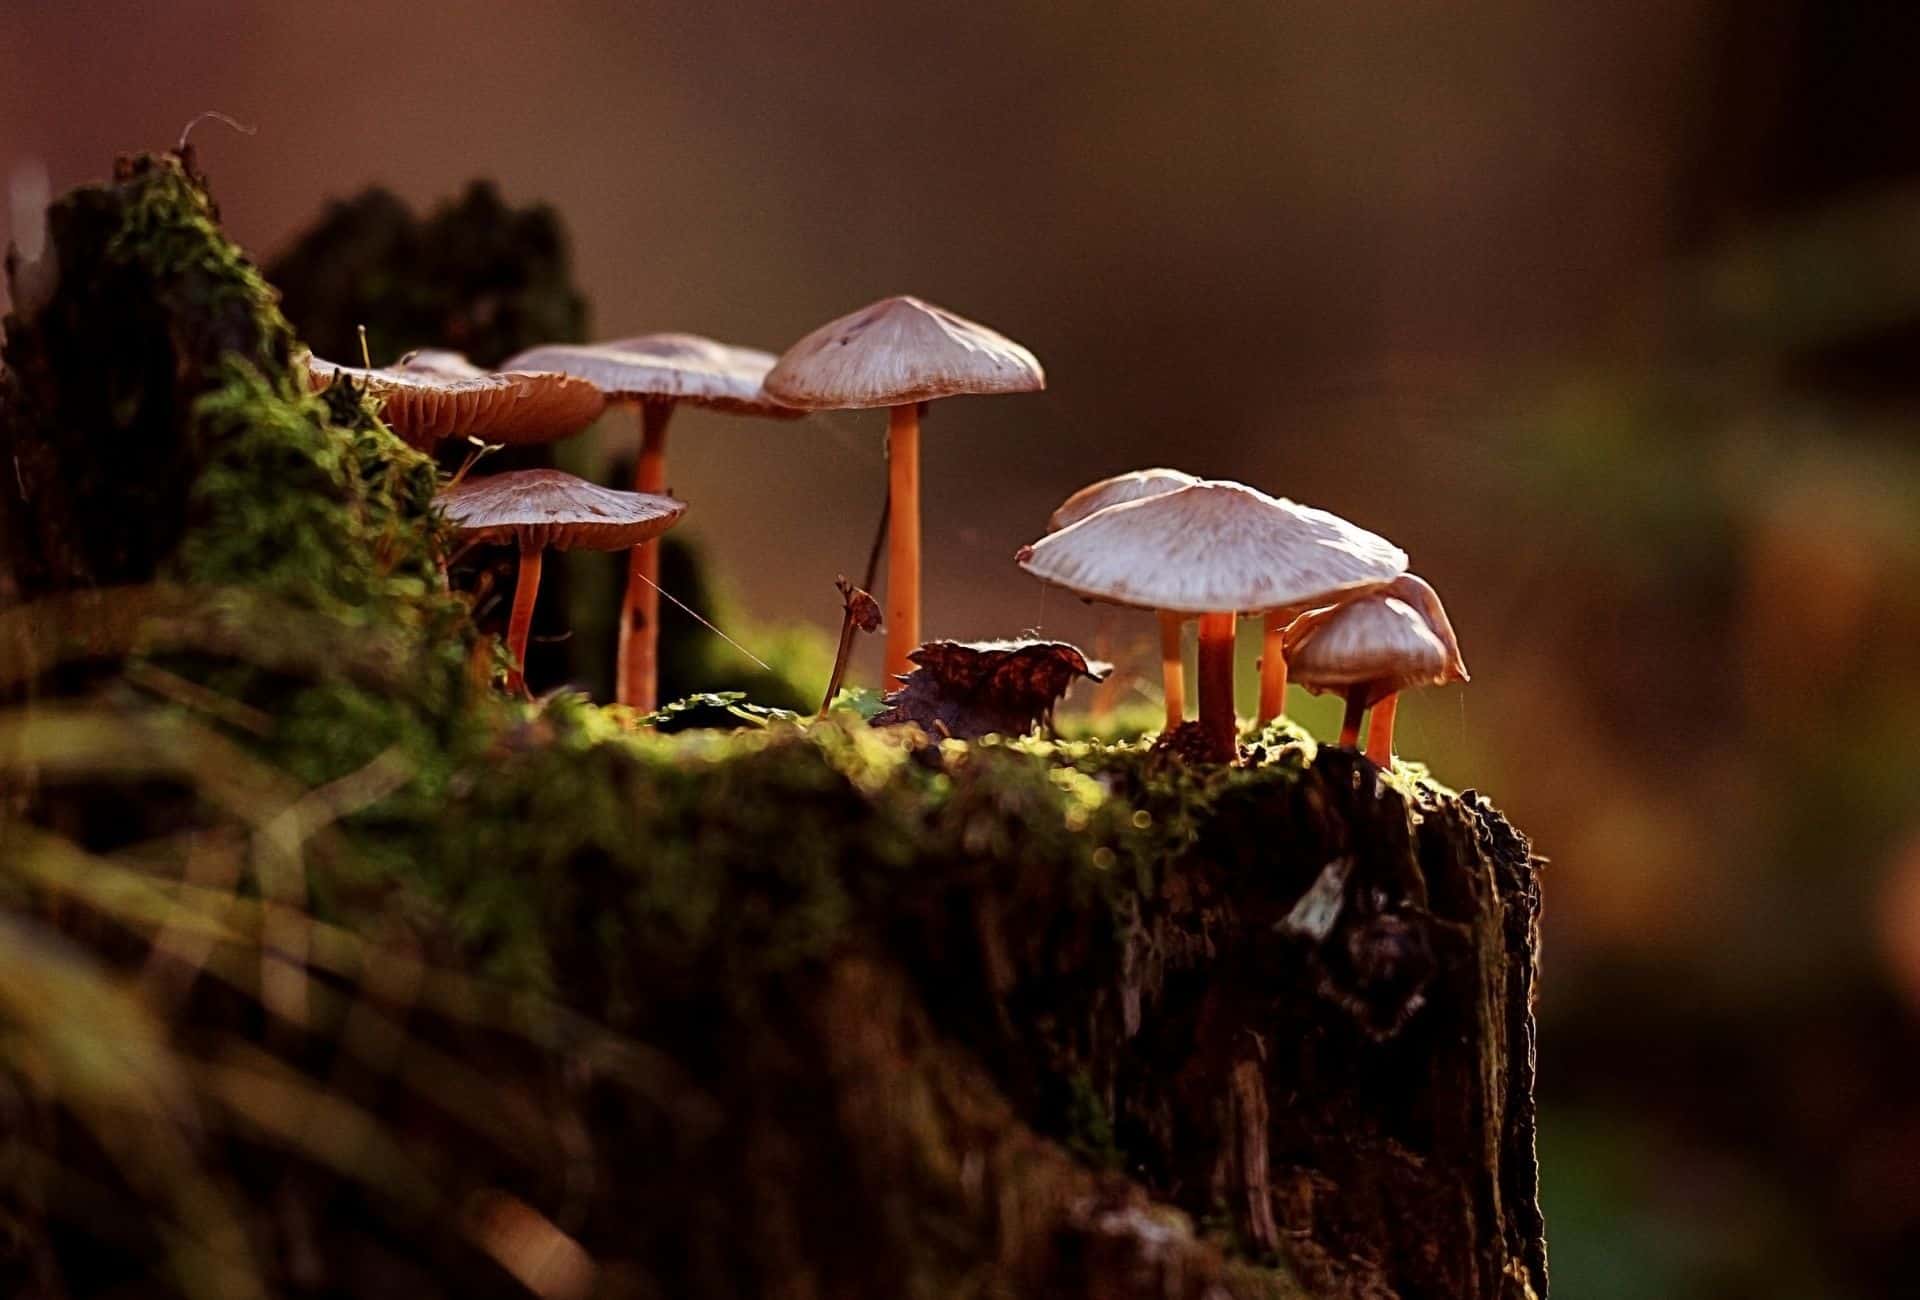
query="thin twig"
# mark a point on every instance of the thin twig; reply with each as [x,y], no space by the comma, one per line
[879,539]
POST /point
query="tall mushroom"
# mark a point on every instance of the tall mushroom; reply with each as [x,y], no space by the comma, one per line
[541,508]
[1119,490]
[899,353]
[424,407]
[1373,648]
[652,373]
[1214,549]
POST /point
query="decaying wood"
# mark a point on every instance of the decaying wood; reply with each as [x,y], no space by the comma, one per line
[1320,1046]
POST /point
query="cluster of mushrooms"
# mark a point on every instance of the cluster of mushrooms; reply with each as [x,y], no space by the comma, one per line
[1341,612]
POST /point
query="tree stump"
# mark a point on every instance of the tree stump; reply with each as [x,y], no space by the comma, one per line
[501,1000]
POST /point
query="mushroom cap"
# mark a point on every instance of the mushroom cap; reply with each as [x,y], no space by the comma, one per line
[436,361]
[1415,591]
[1117,491]
[666,367]
[897,351]
[511,406]
[551,508]
[1211,547]
[1384,642]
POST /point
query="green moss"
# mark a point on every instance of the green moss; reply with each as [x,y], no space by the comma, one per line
[744,853]
[1089,1126]
[170,436]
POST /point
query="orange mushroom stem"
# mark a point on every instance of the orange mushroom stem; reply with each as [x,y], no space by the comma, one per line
[1350,725]
[1108,687]
[1173,679]
[1217,717]
[1380,730]
[526,589]
[639,649]
[903,537]
[1273,666]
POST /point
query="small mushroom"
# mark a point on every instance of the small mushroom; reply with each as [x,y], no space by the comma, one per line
[1214,549]
[899,353]
[541,508]
[513,407]
[1371,649]
[652,373]
[1116,491]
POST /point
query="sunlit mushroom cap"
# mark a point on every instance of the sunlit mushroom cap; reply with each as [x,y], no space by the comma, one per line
[1214,546]
[551,508]
[666,367]
[437,361]
[1386,642]
[510,406]
[1415,591]
[896,351]
[1117,491]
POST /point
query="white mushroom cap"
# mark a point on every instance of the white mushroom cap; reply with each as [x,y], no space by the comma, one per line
[665,367]
[510,407]
[1415,591]
[1117,491]
[1387,641]
[898,351]
[550,507]
[1214,546]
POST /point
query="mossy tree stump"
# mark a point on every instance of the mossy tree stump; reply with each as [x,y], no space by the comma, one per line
[806,1011]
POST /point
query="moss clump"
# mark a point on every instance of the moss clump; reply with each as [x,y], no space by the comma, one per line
[132,314]
[164,433]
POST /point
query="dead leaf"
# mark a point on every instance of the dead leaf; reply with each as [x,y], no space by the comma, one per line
[967,689]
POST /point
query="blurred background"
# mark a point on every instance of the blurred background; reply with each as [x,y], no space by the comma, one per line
[1609,314]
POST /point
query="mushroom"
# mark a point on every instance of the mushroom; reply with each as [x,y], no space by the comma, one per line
[1119,490]
[653,373]
[1373,648]
[512,407]
[541,508]
[1214,549]
[899,353]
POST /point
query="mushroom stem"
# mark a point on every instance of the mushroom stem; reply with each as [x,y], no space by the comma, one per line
[1350,725]
[1273,668]
[1100,707]
[638,671]
[1380,731]
[1173,680]
[1216,687]
[526,588]
[903,537]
